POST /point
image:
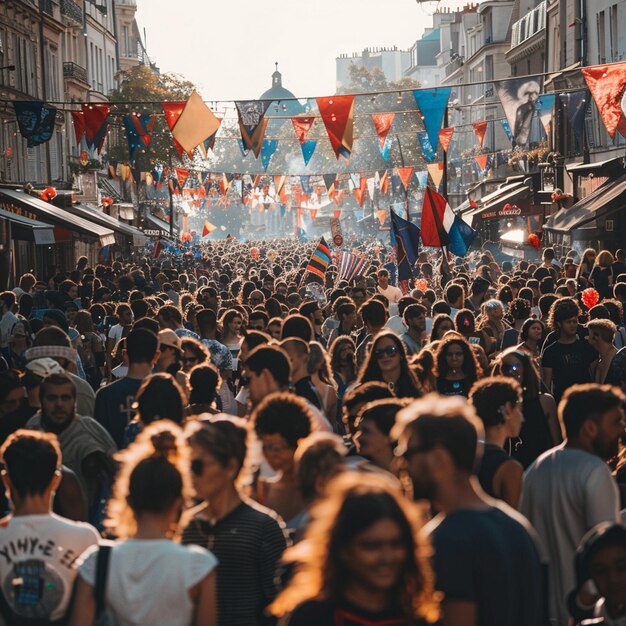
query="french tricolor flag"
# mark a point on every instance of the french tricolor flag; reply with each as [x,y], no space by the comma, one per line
[442,228]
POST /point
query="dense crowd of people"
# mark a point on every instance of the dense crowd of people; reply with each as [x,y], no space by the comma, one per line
[212,437]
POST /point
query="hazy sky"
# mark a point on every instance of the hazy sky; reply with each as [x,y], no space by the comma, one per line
[229,48]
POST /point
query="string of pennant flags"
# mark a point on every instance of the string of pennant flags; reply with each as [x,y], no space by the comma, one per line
[194,125]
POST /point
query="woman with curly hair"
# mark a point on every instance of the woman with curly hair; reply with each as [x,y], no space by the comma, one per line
[442,323]
[361,561]
[456,366]
[150,579]
[387,362]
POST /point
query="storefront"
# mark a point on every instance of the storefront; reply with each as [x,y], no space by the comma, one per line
[598,220]
[74,236]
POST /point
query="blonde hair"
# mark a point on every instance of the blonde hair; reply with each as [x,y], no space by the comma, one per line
[153,475]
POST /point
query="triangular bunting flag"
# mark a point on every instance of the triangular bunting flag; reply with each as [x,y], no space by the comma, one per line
[79,125]
[208,228]
[338,116]
[302,126]
[545,108]
[381,214]
[252,122]
[308,148]
[329,180]
[173,111]
[356,179]
[432,104]
[445,136]
[224,184]
[95,117]
[422,178]
[313,213]
[268,147]
[480,128]
[195,123]
[384,182]
[427,149]
[182,175]
[35,121]
[279,183]
[481,160]
[507,129]
[382,123]
[436,172]
[405,174]
[607,83]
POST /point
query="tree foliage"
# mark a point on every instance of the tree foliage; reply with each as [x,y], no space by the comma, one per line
[140,87]
[363,80]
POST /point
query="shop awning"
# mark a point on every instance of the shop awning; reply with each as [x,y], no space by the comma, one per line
[520,200]
[161,227]
[606,199]
[604,167]
[25,229]
[18,201]
[90,213]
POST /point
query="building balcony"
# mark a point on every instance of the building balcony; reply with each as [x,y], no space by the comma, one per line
[72,12]
[47,7]
[454,65]
[525,28]
[72,71]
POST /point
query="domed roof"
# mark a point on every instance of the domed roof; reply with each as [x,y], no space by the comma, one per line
[288,104]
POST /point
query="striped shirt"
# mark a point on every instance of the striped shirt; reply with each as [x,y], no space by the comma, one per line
[248,543]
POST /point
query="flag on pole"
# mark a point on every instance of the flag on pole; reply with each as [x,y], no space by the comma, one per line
[351,265]
[441,227]
[208,228]
[158,248]
[407,236]
[320,260]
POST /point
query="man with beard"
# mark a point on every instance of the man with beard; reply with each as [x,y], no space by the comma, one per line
[415,321]
[486,559]
[86,446]
[569,489]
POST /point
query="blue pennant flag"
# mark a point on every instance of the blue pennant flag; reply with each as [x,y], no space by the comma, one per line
[305,183]
[507,129]
[242,147]
[427,148]
[308,148]
[460,236]
[35,121]
[134,139]
[422,178]
[283,209]
[432,104]
[385,150]
[268,147]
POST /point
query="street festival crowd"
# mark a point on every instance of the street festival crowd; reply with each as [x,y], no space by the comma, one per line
[206,437]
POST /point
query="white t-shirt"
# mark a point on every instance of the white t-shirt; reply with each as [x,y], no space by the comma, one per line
[41,551]
[116,332]
[565,493]
[148,580]
[393,294]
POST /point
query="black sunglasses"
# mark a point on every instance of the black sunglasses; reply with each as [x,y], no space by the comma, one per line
[379,353]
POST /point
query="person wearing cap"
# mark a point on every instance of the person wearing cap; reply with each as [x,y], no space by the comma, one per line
[18,344]
[170,353]
[600,593]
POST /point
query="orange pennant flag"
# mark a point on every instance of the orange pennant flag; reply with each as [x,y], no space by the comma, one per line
[382,216]
[445,136]
[224,184]
[173,111]
[182,176]
[480,128]
[337,196]
[279,183]
[208,228]
[405,174]
[606,83]
[337,214]
[436,172]
[384,182]
[195,124]
[302,126]
[338,116]
[313,213]
[257,180]
[481,159]
[383,123]
[359,194]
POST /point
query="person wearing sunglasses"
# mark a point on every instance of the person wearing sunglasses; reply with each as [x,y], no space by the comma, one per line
[246,538]
[387,362]
[541,429]
[193,353]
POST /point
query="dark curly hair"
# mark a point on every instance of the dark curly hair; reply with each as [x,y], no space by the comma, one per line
[471,368]
[284,414]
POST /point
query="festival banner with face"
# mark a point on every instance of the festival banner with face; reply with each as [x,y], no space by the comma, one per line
[519,98]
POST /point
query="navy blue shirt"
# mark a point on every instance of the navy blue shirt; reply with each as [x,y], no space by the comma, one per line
[113,406]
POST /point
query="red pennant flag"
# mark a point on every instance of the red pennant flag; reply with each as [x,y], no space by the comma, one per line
[382,216]
[182,176]
[359,194]
[173,111]
[208,228]
[313,213]
[384,182]
[606,83]
[481,159]
[79,125]
[279,183]
[302,126]
[383,123]
[224,184]
[337,214]
[337,196]
[94,118]
[480,128]
[338,116]
[445,136]
[405,174]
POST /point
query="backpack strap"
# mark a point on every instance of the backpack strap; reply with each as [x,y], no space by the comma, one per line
[102,569]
